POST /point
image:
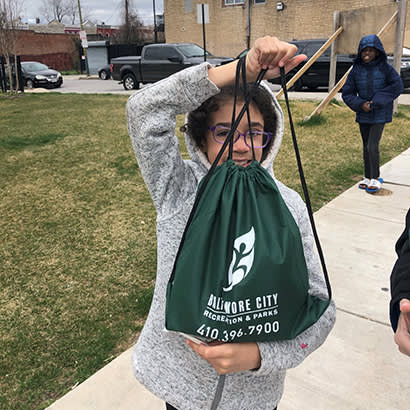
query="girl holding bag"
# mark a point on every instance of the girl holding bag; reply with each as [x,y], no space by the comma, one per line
[241,376]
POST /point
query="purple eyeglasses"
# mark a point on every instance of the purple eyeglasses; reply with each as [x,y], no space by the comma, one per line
[260,138]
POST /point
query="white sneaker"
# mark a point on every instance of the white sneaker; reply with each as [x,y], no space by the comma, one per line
[374,186]
[364,183]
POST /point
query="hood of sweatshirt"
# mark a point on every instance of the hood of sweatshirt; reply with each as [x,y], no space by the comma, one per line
[372,40]
[200,158]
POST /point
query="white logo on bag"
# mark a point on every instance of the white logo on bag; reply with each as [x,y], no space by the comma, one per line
[242,259]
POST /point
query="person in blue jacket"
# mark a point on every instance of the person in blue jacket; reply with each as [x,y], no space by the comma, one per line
[371,87]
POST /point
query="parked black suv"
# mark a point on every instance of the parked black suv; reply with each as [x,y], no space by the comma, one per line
[318,74]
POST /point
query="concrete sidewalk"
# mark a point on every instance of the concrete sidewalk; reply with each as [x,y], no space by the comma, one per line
[359,366]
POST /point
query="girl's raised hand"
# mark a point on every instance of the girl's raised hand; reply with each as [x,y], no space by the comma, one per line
[271,53]
[267,52]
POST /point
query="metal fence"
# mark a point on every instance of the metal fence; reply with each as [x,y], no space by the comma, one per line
[119,50]
[4,73]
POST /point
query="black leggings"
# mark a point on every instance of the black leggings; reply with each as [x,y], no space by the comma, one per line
[169,407]
[371,135]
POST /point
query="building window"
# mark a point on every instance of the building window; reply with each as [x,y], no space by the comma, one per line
[233,2]
[188,7]
[259,1]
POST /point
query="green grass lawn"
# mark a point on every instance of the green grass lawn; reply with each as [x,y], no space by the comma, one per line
[77,243]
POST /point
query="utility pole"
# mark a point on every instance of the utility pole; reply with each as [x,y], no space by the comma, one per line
[248,37]
[203,18]
[85,45]
[127,23]
[155,23]
[398,49]
[203,28]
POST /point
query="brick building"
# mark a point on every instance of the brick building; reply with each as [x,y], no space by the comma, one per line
[107,31]
[58,51]
[228,20]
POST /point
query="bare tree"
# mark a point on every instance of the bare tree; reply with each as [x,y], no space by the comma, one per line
[9,21]
[72,12]
[63,11]
[130,31]
[55,9]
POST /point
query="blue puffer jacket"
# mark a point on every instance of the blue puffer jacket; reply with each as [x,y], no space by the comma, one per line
[376,81]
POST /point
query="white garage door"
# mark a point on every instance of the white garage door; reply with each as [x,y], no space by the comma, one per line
[97,55]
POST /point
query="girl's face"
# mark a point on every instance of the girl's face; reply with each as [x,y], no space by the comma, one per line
[368,54]
[242,153]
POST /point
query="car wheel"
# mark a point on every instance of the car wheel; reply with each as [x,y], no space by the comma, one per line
[129,82]
[29,83]
[104,75]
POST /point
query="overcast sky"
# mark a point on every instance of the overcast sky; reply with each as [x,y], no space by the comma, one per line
[107,11]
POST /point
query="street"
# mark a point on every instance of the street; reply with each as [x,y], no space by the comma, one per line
[93,85]
[83,85]
[80,84]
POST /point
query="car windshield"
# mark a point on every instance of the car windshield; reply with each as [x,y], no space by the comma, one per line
[192,50]
[34,66]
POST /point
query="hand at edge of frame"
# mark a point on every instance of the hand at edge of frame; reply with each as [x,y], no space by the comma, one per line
[402,335]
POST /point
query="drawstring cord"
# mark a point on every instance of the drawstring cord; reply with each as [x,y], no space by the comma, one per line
[304,185]
[240,67]
[247,102]
[229,140]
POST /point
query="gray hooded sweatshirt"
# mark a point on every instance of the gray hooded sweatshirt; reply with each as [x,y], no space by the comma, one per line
[162,361]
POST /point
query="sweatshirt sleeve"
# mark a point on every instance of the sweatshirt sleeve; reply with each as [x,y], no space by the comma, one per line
[400,276]
[290,353]
[350,95]
[392,90]
[151,116]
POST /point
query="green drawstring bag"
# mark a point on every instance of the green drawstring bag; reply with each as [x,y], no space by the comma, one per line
[240,272]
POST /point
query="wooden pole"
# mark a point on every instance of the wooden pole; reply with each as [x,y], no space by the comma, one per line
[310,61]
[398,49]
[387,26]
[333,57]
[342,81]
